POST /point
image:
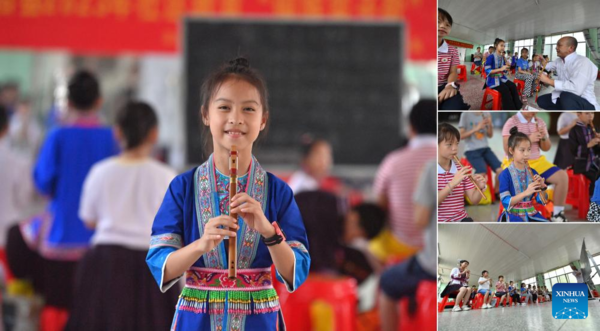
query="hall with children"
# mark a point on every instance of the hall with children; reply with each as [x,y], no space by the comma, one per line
[530,56]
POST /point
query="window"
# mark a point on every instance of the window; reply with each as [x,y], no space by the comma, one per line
[531,281]
[596,278]
[525,43]
[550,45]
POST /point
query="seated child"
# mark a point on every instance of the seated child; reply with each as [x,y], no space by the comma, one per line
[525,293]
[496,68]
[512,292]
[517,185]
[475,129]
[501,291]
[453,183]
[585,148]
[484,289]
[459,282]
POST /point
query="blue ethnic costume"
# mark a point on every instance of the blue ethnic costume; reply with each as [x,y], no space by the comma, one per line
[210,300]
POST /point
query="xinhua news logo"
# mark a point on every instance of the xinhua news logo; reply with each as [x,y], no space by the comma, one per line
[569,301]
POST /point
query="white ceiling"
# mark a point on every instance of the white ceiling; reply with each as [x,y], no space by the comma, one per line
[519,19]
[517,251]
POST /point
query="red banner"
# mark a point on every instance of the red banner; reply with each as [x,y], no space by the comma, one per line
[459,44]
[120,26]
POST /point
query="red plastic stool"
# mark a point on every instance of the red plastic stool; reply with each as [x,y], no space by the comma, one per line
[424,318]
[462,72]
[442,305]
[53,318]
[498,302]
[339,292]
[579,195]
[483,73]
[520,86]
[478,301]
[496,99]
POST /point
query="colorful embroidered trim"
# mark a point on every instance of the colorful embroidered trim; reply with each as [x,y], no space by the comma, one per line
[298,245]
[35,232]
[207,206]
[207,291]
[166,239]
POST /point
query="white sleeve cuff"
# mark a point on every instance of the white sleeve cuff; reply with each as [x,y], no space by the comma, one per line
[165,287]
[290,288]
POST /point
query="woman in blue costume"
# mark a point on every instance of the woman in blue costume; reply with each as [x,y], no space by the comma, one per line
[191,230]
[517,186]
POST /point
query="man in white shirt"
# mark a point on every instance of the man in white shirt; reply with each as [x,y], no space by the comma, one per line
[574,88]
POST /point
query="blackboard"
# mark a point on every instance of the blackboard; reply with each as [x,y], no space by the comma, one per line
[337,80]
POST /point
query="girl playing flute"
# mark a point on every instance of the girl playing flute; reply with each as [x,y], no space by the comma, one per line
[517,185]
[189,228]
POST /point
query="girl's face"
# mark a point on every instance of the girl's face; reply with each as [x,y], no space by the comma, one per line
[464,265]
[235,115]
[522,151]
[500,47]
[586,117]
[525,54]
[448,149]
[444,27]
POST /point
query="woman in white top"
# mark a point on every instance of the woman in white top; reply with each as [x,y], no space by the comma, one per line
[317,160]
[121,195]
[564,157]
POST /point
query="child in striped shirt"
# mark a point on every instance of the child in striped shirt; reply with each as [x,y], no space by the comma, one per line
[449,98]
[453,181]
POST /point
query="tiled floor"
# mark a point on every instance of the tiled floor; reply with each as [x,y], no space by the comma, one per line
[530,317]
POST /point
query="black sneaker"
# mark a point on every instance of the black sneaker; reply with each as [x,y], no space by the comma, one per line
[559,218]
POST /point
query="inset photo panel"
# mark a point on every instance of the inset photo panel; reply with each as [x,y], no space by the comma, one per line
[518,167]
[535,55]
[506,277]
